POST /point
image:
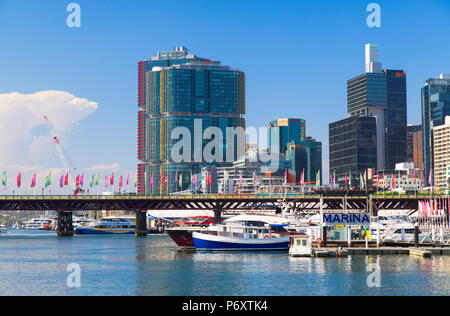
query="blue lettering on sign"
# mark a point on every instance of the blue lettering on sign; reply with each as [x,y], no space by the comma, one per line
[346,219]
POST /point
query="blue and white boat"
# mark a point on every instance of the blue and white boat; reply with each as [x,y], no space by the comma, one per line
[245,232]
[109,225]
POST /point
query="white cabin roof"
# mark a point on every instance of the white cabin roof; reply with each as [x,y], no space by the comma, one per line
[271,220]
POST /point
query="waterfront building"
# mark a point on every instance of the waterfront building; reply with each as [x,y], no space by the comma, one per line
[441,142]
[381,94]
[353,148]
[405,177]
[178,89]
[435,102]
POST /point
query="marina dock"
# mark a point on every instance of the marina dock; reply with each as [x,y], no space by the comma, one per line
[424,252]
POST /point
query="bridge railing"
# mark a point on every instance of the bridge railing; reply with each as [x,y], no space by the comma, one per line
[216,196]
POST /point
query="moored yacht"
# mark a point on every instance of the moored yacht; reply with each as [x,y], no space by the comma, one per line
[181,234]
[39,223]
[244,232]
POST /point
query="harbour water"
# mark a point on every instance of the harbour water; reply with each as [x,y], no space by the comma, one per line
[35,263]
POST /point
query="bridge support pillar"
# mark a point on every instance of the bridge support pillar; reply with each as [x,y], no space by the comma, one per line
[141,224]
[65,224]
[217,215]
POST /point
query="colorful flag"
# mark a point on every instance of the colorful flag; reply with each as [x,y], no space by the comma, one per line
[361,181]
[365,178]
[91,182]
[181,181]
[120,182]
[66,179]
[151,181]
[429,178]
[346,180]
[285,177]
[19,180]
[48,180]
[82,179]
[96,179]
[77,181]
[176,179]
[61,181]
[166,179]
[106,181]
[128,178]
[350,179]
[111,180]
[33,180]
[4,178]
[318,179]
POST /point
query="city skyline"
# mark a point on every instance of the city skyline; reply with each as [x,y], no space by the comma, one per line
[98,63]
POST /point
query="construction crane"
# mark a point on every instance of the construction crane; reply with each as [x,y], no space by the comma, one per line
[67,164]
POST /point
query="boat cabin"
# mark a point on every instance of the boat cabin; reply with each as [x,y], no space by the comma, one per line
[300,246]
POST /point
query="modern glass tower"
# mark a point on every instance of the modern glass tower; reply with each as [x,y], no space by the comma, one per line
[382,94]
[177,89]
[435,97]
[353,148]
[283,131]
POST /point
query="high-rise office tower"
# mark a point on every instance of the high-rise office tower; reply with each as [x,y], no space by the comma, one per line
[435,97]
[415,147]
[381,94]
[305,157]
[178,89]
[353,148]
[283,131]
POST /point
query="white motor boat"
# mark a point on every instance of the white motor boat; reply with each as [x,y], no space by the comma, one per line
[244,232]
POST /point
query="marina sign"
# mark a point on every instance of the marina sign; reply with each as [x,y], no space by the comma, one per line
[346,219]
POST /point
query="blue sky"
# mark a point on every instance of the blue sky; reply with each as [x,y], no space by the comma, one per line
[297,56]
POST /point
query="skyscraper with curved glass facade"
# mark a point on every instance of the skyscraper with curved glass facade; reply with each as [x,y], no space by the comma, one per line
[177,89]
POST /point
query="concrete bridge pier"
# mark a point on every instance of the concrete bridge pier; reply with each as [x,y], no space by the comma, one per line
[65,224]
[217,215]
[141,223]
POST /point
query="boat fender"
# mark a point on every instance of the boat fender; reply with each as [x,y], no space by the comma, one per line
[318,241]
[266,236]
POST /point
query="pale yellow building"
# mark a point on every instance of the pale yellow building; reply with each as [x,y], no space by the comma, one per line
[441,143]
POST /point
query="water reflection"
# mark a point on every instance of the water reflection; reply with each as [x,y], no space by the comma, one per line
[125,265]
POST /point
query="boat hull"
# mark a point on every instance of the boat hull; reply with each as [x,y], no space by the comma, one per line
[182,237]
[97,231]
[213,242]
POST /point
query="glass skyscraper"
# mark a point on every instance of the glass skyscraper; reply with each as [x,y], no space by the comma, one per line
[379,96]
[353,148]
[305,156]
[283,131]
[177,89]
[382,94]
[435,97]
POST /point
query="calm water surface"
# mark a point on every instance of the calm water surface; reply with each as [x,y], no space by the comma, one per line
[35,263]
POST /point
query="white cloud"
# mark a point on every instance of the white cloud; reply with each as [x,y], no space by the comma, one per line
[24,136]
